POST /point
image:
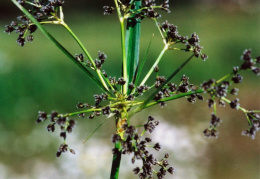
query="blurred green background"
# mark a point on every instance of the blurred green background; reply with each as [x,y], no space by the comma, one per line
[39,77]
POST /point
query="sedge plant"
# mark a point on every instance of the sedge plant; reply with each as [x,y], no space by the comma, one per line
[126,95]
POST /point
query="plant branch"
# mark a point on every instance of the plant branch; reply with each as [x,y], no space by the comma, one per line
[64,50]
[155,64]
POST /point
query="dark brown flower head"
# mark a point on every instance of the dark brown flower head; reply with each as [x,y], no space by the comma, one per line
[63,135]
[235,69]
[104,73]
[256,70]
[214,120]
[165,6]
[157,146]
[235,104]
[72,151]
[234,91]
[246,55]
[121,81]
[51,127]
[208,85]
[156,69]
[237,79]
[102,56]
[204,57]
[108,10]
[170,170]
[79,57]
[115,138]
[106,110]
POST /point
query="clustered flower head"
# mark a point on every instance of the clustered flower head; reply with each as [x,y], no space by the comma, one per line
[172,37]
[211,131]
[254,123]
[148,8]
[41,10]
[65,124]
[133,143]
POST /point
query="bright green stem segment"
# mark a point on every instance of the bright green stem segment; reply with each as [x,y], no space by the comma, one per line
[155,64]
[132,44]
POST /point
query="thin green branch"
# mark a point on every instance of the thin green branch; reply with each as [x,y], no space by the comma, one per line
[163,36]
[122,29]
[95,130]
[239,107]
[174,97]
[155,64]
[223,78]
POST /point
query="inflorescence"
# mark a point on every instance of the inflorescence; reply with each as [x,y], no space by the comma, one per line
[119,104]
[42,11]
[133,143]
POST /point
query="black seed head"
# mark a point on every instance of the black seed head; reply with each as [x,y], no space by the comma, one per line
[72,151]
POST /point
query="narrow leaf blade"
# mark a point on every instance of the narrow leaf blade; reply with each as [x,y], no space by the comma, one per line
[133,31]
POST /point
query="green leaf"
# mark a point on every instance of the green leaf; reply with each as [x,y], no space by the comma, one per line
[64,50]
[133,30]
[141,65]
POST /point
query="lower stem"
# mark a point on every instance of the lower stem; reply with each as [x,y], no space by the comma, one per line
[121,120]
[115,164]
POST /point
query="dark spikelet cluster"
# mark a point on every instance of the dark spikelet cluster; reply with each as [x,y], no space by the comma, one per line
[235,104]
[79,57]
[100,60]
[108,10]
[141,89]
[254,123]
[173,89]
[132,143]
[100,98]
[147,9]
[172,37]
[41,10]
[211,131]
[151,124]
[64,148]
[65,124]
[249,62]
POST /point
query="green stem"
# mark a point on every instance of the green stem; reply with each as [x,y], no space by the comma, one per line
[155,64]
[174,97]
[239,107]
[125,74]
[122,28]
[116,163]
